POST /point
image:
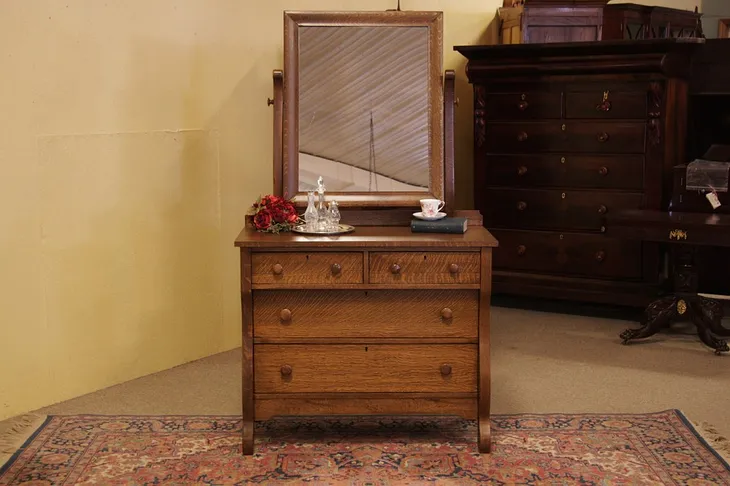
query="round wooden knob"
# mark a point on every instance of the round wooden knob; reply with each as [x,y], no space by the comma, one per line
[522,105]
[336,269]
[522,170]
[278,269]
[600,255]
[603,171]
[446,313]
[285,315]
[522,205]
[602,209]
[522,136]
[521,250]
[395,269]
[454,268]
[286,370]
[445,369]
[602,137]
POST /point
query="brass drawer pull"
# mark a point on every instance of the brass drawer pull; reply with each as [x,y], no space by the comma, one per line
[395,269]
[522,170]
[604,105]
[454,268]
[522,105]
[286,370]
[602,209]
[285,315]
[600,255]
[602,137]
[445,370]
[603,171]
[521,250]
[522,136]
[522,205]
[336,269]
[446,313]
[278,269]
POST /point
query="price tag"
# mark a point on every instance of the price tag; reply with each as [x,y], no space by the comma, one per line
[714,201]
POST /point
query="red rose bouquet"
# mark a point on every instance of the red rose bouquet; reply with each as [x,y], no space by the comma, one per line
[272,214]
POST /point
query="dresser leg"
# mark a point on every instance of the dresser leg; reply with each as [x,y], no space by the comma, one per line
[248,437]
[485,436]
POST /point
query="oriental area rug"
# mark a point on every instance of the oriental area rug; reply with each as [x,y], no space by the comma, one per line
[586,449]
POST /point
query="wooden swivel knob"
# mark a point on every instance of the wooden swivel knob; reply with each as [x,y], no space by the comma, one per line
[602,209]
[278,269]
[602,137]
[522,205]
[285,315]
[286,370]
[395,269]
[336,269]
[446,313]
[445,370]
[521,170]
[600,255]
[522,136]
[521,250]
[454,268]
[603,171]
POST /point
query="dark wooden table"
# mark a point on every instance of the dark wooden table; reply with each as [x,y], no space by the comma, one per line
[686,232]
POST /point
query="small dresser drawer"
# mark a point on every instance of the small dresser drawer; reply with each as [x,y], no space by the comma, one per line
[308,314]
[554,208]
[412,267]
[524,105]
[563,170]
[443,368]
[606,104]
[311,268]
[567,254]
[567,137]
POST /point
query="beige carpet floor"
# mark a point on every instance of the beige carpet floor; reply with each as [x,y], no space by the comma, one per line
[542,362]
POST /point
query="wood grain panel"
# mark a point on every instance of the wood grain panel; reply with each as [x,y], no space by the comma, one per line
[363,368]
[280,314]
[283,405]
[307,267]
[424,267]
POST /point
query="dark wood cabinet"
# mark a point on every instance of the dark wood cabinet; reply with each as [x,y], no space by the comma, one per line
[632,21]
[564,134]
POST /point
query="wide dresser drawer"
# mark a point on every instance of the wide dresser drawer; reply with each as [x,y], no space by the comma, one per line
[554,208]
[415,267]
[363,368]
[310,268]
[567,137]
[592,255]
[289,315]
[624,172]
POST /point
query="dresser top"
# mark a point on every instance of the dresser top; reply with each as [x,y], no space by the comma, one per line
[369,236]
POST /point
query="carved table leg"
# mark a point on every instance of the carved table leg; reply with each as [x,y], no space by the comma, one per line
[657,315]
[703,314]
[712,311]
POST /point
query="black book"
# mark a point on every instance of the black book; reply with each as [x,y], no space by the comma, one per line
[444,225]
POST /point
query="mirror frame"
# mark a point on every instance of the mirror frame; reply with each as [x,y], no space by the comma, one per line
[289,178]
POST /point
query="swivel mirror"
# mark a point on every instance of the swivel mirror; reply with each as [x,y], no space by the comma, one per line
[363,106]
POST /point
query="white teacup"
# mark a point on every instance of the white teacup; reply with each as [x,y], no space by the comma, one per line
[431,207]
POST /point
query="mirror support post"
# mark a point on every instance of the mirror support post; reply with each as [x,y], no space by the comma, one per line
[449,151]
[278,103]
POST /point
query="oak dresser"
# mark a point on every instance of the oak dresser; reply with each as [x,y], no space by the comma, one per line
[378,321]
[564,134]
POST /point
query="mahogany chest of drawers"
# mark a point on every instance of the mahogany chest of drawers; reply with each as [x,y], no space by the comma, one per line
[565,134]
[379,321]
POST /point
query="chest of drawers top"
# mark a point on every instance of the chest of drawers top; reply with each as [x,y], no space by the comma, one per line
[368,237]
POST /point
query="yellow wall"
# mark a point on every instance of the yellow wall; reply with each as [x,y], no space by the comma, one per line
[133,137]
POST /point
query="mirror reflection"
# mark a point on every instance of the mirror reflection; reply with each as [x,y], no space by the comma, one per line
[364,108]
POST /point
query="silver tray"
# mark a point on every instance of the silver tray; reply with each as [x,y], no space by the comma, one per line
[342,229]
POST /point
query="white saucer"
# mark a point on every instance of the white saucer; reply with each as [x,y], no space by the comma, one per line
[420,215]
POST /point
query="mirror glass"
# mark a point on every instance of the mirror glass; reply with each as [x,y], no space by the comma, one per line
[364,108]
